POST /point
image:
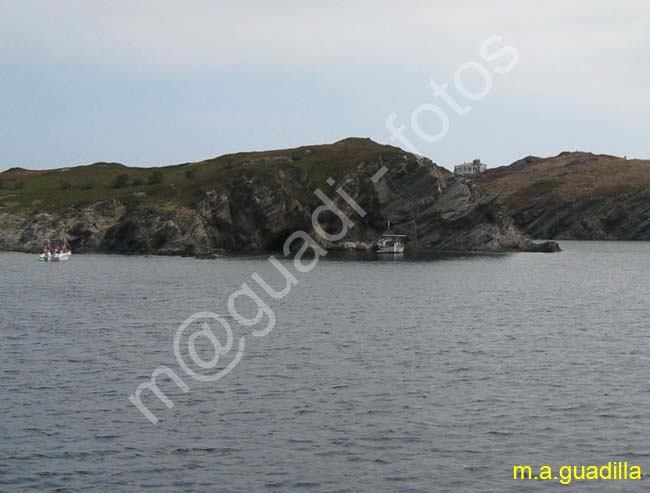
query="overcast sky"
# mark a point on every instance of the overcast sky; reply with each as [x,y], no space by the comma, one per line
[161,82]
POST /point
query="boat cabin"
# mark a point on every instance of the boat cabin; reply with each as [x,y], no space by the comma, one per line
[389,243]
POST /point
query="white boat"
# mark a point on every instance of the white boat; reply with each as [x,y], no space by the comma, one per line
[393,244]
[55,257]
[56,250]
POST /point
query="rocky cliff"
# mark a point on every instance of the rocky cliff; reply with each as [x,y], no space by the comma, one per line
[254,201]
[576,195]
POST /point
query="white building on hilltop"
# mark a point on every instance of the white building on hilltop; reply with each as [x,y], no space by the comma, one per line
[473,168]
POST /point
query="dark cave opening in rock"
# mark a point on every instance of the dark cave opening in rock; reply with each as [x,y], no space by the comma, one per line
[276,243]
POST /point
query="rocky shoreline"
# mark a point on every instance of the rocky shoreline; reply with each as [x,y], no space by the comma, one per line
[576,196]
[439,212]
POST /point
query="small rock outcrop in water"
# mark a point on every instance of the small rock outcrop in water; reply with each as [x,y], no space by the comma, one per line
[545,247]
[576,196]
[254,201]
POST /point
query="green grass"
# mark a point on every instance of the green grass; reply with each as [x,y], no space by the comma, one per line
[42,190]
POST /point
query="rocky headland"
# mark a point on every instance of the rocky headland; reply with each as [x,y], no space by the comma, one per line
[254,201]
[575,196]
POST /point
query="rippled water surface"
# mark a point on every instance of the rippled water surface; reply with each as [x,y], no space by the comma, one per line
[380,375]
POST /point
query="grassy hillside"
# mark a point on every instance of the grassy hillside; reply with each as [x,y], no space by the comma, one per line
[26,192]
[566,178]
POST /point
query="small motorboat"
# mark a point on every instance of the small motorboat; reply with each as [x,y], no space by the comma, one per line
[393,244]
[56,250]
[55,257]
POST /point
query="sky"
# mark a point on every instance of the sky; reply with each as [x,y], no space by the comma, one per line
[162,82]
